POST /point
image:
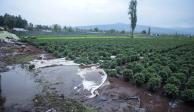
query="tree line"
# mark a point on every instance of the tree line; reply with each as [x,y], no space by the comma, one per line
[10,21]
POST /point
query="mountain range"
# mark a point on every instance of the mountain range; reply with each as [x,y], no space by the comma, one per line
[140,28]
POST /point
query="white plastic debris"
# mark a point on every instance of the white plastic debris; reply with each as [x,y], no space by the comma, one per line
[91,85]
[52,62]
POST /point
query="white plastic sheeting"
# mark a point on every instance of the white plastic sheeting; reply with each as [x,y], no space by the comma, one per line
[52,62]
[91,85]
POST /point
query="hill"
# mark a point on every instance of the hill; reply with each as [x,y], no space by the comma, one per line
[139,28]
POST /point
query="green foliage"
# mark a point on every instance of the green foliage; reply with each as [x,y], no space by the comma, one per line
[174,80]
[56,28]
[181,76]
[188,95]
[151,61]
[190,83]
[137,68]
[171,90]
[133,16]
[11,21]
[127,74]
[154,83]
[164,74]
[111,72]
[139,79]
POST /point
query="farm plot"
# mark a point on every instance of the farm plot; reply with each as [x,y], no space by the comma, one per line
[165,64]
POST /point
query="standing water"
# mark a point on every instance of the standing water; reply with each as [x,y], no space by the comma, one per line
[20,85]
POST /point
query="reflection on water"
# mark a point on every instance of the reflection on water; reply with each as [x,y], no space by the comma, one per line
[20,86]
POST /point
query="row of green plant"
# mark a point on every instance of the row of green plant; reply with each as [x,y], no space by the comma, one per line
[165,63]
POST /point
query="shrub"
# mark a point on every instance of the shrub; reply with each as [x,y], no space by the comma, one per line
[190,83]
[111,72]
[113,64]
[130,65]
[173,67]
[119,61]
[154,83]
[164,75]
[119,70]
[139,79]
[174,80]
[188,95]
[127,74]
[137,68]
[147,74]
[171,90]
[181,76]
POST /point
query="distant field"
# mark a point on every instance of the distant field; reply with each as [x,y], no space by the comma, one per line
[83,37]
[159,63]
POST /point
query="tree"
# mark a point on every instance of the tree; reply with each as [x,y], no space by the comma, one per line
[171,90]
[1,21]
[56,28]
[133,16]
[143,32]
[149,31]
[96,29]
[9,21]
[30,27]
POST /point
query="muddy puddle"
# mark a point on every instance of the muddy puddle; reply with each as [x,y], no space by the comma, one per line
[19,85]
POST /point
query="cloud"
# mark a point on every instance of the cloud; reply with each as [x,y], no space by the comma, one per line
[166,13]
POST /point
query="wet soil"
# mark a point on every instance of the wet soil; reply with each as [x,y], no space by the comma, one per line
[120,90]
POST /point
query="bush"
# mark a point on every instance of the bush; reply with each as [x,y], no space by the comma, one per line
[113,64]
[188,95]
[174,80]
[137,68]
[127,74]
[130,65]
[173,67]
[111,72]
[139,79]
[147,74]
[171,90]
[154,83]
[119,70]
[181,76]
[190,83]
[164,75]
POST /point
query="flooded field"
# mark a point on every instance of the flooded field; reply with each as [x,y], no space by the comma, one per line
[23,89]
[20,85]
[39,82]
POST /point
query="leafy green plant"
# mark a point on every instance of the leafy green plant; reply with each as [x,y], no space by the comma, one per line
[171,90]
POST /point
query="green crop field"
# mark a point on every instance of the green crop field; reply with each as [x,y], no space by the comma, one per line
[159,63]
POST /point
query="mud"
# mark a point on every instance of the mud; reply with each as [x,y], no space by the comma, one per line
[120,91]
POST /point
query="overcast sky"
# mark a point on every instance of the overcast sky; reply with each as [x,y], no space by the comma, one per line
[162,13]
